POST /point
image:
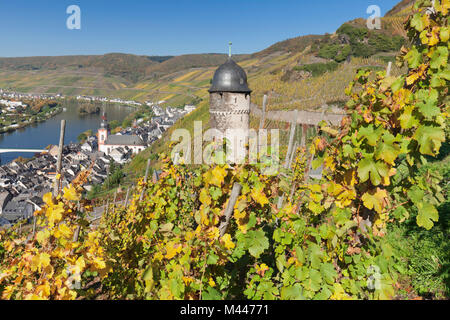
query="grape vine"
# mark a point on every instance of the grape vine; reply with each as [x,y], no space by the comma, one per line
[324,242]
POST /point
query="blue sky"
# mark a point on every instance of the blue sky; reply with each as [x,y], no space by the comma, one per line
[168,27]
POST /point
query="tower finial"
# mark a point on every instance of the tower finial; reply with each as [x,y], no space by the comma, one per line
[230,45]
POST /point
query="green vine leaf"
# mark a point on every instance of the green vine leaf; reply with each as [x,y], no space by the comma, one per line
[387,150]
[430,139]
[439,58]
[257,242]
[294,292]
[427,214]
[328,272]
[375,170]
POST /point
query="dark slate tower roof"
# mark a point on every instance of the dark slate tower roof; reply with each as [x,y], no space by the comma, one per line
[230,77]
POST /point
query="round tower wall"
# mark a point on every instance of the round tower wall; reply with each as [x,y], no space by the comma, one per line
[230,110]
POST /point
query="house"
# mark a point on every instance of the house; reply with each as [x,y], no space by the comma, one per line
[81,156]
[87,147]
[53,151]
[90,145]
[133,142]
[36,202]
[189,108]
[4,183]
[17,210]
[120,155]
[5,197]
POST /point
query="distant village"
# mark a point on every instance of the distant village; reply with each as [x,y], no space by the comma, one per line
[22,185]
[13,97]
[15,113]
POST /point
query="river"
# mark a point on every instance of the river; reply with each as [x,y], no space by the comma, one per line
[40,135]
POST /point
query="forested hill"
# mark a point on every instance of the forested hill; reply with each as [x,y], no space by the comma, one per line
[128,66]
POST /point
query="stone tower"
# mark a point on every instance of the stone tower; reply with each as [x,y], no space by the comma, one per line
[230,106]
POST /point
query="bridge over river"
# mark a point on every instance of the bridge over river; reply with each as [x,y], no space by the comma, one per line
[23,151]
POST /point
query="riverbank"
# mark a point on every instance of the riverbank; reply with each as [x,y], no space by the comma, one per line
[40,134]
[38,119]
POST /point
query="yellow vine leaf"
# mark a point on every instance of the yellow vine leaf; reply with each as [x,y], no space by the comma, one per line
[259,197]
[42,236]
[229,244]
[40,261]
[172,250]
[189,236]
[339,293]
[204,197]
[375,199]
[48,199]
[81,264]
[216,176]
[55,214]
[71,194]
[261,269]
[239,214]
[434,39]
[214,233]
[63,231]
[412,78]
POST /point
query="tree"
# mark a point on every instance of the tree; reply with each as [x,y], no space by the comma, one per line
[82,137]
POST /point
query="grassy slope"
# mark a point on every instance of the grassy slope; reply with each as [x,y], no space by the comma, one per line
[424,256]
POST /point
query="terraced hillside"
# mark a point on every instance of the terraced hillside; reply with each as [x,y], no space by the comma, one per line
[281,72]
[306,72]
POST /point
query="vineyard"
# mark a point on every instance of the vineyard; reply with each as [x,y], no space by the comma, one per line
[234,232]
[312,92]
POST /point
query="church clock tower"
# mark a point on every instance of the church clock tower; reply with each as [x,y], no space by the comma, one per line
[103,131]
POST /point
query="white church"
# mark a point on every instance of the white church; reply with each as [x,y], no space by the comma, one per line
[107,143]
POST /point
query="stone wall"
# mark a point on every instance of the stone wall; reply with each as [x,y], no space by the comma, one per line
[229,111]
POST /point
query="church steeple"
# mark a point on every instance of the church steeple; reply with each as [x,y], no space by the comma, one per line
[104,124]
[103,131]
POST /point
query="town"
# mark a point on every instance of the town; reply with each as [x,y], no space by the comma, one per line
[15,97]
[23,183]
[18,112]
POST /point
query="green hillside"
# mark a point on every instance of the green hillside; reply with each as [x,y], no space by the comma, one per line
[295,73]
[300,73]
[306,72]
